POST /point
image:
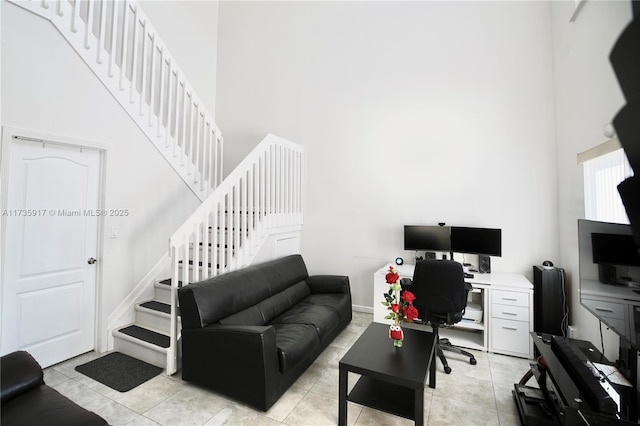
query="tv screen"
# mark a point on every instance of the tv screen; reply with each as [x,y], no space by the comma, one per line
[430,238]
[486,241]
[614,249]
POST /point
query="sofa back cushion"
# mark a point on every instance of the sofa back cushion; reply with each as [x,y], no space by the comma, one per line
[234,297]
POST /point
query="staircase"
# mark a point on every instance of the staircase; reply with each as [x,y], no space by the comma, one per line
[119,44]
[260,198]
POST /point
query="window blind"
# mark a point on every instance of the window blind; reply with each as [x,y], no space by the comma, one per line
[601,178]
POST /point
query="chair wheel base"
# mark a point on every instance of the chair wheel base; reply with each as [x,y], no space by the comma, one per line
[473,361]
[447,370]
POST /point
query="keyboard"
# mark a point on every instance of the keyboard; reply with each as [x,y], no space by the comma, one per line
[588,384]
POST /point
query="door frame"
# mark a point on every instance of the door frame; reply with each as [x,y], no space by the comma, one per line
[11,133]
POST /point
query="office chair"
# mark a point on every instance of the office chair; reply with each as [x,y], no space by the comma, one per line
[441,299]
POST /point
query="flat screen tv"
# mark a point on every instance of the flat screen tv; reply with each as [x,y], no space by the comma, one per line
[429,238]
[485,241]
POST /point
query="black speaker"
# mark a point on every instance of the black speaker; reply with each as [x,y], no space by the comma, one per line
[429,255]
[607,274]
[548,300]
[484,264]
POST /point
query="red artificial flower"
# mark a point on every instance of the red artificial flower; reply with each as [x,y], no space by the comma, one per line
[411,312]
[408,297]
[392,277]
[395,307]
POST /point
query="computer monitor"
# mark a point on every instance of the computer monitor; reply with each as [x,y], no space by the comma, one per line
[614,249]
[429,238]
[485,241]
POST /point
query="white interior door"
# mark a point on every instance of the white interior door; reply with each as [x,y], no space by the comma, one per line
[51,231]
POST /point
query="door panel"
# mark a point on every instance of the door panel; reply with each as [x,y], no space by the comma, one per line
[48,306]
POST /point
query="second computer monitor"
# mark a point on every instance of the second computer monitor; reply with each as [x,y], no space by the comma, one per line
[483,241]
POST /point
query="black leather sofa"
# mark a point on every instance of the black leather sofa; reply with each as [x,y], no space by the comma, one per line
[249,334]
[27,401]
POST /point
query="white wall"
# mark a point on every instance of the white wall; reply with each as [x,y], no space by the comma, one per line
[587,97]
[46,87]
[409,112]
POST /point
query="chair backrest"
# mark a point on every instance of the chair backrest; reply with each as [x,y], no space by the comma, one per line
[440,289]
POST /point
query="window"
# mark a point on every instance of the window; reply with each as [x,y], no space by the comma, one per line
[601,178]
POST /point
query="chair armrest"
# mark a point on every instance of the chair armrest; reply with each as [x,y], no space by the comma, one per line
[329,284]
[19,373]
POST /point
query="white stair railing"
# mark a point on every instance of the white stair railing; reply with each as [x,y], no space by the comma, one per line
[119,44]
[261,196]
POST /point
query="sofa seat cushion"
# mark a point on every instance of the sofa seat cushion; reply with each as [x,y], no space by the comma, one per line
[295,342]
[339,302]
[323,318]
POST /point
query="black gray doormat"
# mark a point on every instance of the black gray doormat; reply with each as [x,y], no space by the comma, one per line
[119,371]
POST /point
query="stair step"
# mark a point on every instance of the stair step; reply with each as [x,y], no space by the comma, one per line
[199,264]
[159,306]
[144,334]
[226,246]
[167,282]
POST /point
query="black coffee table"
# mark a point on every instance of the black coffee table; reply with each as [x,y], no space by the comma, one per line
[393,379]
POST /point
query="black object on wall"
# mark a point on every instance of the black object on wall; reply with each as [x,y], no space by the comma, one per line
[625,60]
[549,303]
[484,264]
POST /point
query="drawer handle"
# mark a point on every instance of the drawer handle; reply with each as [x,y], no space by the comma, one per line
[509,313]
[509,328]
[510,299]
[603,309]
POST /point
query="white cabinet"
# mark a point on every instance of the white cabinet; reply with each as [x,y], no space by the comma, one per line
[612,313]
[507,302]
[511,322]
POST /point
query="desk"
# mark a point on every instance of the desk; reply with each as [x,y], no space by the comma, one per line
[507,304]
[393,378]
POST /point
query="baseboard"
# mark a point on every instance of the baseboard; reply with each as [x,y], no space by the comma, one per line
[364,309]
[124,314]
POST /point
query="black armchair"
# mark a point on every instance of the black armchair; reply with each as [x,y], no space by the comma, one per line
[441,299]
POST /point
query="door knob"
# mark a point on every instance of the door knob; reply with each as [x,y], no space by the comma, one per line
[91,261]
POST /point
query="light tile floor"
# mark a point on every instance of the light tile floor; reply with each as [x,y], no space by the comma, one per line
[470,395]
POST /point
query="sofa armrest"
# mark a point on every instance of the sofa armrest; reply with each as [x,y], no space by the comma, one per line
[329,284]
[240,361]
[19,373]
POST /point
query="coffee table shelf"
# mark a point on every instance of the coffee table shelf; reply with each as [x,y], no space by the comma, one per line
[382,396]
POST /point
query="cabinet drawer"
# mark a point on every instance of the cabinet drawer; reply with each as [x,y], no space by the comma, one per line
[510,298]
[510,336]
[508,312]
[605,309]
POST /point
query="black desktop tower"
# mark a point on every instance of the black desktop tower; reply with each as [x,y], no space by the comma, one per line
[549,300]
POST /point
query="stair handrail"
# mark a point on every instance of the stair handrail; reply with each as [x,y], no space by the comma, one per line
[262,195]
[123,49]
